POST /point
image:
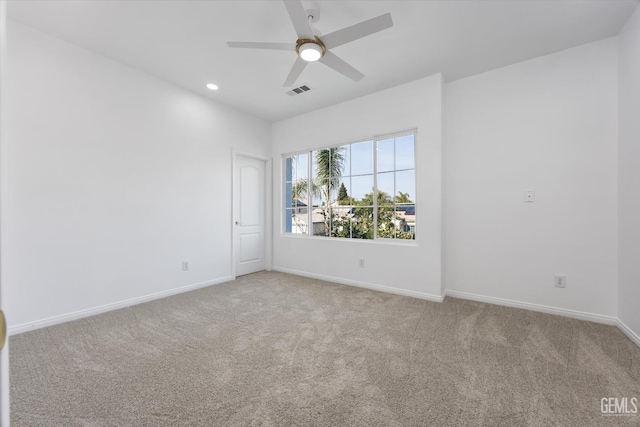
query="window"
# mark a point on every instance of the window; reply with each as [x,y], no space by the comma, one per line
[363,190]
[296,207]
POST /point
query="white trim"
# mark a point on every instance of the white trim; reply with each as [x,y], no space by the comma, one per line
[581,315]
[250,154]
[13,330]
[381,288]
[628,332]
[4,354]
[268,207]
[378,241]
[413,130]
[268,214]
[234,191]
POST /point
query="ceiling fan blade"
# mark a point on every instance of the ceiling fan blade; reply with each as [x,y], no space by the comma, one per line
[295,72]
[261,45]
[357,31]
[299,19]
[332,61]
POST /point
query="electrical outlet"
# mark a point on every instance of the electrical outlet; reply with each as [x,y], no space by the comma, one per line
[362,262]
[560,281]
[185,265]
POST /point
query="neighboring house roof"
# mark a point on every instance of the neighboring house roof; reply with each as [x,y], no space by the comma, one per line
[316,217]
[408,209]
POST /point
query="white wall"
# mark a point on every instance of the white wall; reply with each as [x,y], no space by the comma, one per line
[114,178]
[548,124]
[408,269]
[629,176]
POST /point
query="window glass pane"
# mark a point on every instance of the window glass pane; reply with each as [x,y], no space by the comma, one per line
[405,152]
[341,221]
[299,190]
[327,169]
[362,190]
[406,220]
[314,164]
[300,221]
[336,157]
[288,220]
[321,222]
[346,152]
[362,158]
[362,223]
[295,194]
[317,196]
[327,163]
[385,189]
[406,187]
[386,223]
[344,191]
[288,169]
[301,167]
[288,194]
[321,193]
[384,154]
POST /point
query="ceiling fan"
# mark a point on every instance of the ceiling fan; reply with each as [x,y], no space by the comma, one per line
[311,47]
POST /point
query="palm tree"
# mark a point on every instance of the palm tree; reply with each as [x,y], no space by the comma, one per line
[330,163]
[329,166]
[403,198]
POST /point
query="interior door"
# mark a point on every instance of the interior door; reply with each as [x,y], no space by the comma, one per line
[4,350]
[249,210]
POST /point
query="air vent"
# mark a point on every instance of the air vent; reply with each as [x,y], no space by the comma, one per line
[299,90]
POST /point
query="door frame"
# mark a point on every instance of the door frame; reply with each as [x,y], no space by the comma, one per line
[268,211]
[4,354]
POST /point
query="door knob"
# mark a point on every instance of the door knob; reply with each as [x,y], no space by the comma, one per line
[238,223]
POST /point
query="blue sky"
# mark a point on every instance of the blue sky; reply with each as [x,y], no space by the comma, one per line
[361,162]
[394,153]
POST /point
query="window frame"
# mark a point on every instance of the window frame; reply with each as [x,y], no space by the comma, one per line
[375,140]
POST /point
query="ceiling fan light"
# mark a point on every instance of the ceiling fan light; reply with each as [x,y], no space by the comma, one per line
[310,52]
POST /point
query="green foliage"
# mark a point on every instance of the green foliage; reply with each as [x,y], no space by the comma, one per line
[383,199]
[343,196]
[354,223]
[402,198]
[300,189]
[359,223]
[386,224]
[330,163]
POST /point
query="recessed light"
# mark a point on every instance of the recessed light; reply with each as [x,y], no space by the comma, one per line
[212,86]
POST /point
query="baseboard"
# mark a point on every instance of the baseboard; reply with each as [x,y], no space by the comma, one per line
[381,288]
[608,320]
[17,329]
[628,332]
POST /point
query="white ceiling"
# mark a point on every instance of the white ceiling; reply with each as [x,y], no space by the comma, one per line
[184,42]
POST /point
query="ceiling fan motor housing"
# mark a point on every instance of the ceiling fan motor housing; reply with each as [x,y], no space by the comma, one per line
[306,48]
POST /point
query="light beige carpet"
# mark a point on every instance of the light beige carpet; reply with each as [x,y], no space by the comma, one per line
[272,349]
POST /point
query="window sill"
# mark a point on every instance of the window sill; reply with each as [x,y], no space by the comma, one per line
[391,242]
